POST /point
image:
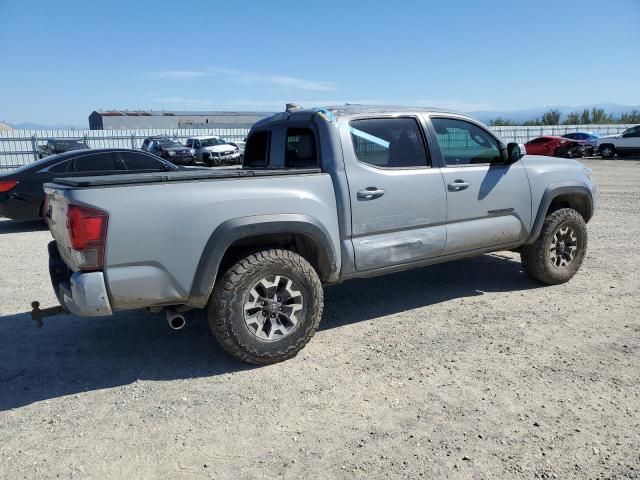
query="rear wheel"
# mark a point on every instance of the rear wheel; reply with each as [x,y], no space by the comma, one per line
[266,307]
[557,254]
[560,152]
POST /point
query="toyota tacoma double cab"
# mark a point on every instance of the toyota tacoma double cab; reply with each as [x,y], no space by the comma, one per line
[324,195]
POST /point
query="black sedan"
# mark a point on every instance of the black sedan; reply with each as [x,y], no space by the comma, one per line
[21,192]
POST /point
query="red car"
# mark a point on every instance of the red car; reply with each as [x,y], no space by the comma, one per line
[554,147]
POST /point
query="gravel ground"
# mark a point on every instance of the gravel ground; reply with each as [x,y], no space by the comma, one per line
[462,370]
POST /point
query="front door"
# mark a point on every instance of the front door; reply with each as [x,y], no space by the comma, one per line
[398,199]
[488,203]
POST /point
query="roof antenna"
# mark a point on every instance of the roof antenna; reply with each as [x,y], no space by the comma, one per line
[292,107]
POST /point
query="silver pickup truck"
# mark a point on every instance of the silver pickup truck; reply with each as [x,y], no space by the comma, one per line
[324,195]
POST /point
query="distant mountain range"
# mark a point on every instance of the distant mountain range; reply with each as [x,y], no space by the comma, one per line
[516,116]
[519,116]
[38,126]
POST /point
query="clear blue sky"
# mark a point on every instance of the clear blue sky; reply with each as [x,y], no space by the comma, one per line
[59,60]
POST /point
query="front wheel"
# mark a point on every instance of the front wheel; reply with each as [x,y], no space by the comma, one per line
[212,162]
[557,254]
[607,151]
[266,307]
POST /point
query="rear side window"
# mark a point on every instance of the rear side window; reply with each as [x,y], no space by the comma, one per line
[256,152]
[102,162]
[301,149]
[138,161]
[59,168]
[389,142]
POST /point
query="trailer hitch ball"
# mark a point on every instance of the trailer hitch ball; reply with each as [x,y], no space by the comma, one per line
[37,314]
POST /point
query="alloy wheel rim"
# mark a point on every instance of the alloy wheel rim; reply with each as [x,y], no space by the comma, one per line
[564,246]
[273,307]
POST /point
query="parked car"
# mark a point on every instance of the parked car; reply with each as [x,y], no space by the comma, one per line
[240,146]
[214,151]
[324,195]
[587,139]
[626,143]
[61,145]
[552,146]
[171,150]
[21,192]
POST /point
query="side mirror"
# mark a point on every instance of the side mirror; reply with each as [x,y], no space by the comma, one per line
[515,151]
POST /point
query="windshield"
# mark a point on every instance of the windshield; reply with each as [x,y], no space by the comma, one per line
[212,142]
[166,143]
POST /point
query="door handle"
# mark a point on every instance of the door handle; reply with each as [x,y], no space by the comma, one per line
[458,185]
[370,193]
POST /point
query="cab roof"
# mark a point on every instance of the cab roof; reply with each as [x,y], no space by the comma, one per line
[337,111]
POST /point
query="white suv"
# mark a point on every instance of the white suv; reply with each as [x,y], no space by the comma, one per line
[214,151]
[625,143]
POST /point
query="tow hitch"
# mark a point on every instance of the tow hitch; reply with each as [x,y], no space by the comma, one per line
[37,315]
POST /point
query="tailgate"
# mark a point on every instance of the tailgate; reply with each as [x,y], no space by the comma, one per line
[56,205]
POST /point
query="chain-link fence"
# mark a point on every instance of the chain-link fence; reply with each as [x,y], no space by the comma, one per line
[18,147]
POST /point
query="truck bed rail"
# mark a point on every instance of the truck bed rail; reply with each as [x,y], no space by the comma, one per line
[178,176]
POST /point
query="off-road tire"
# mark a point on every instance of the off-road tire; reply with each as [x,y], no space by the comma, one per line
[535,257]
[226,307]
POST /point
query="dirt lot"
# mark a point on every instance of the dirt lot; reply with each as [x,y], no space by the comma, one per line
[463,370]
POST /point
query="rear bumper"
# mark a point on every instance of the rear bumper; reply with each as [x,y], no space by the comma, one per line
[81,293]
[85,295]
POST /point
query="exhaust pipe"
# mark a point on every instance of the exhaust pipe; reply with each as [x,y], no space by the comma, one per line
[175,320]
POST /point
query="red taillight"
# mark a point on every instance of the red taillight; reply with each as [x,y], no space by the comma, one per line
[87,229]
[7,185]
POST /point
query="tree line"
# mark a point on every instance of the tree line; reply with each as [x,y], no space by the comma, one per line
[595,116]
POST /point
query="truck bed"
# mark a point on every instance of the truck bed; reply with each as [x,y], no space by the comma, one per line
[160,223]
[177,176]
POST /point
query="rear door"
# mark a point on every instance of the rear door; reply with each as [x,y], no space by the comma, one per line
[488,204]
[398,200]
